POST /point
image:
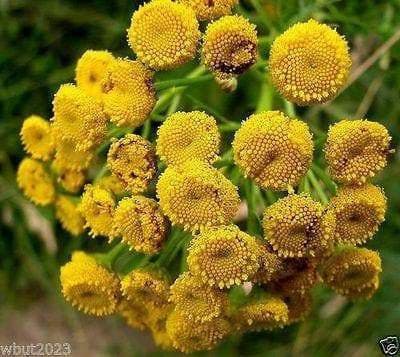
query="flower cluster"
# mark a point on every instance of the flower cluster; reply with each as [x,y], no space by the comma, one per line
[192,261]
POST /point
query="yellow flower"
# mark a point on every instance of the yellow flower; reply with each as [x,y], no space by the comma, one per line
[69,216]
[273,150]
[363,293]
[37,138]
[89,286]
[270,265]
[352,271]
[186,136]
[111,183]
[196,196]
[35,182]
[132,160]
[359,211]
[199,302]
[97,207]
[299,276]
[91,69]
[356,150]
[70,180]
[68,157]
[298,226]
[136,314]
[140,223]
[299,306]
[129,96]
[164,34]
[190,336]
[210,9]
[224,256]
[78,117]
[261,313]
[148,287]
[230,45]
[309,63]
[157,326]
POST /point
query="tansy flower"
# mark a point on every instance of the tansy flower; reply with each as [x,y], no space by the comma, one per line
[140,223]
[78,117]
[196,300]
[132,160]
[136,314]
[145,286]
[210,9]
[111,183]
[363,293]
[35,182]
[70,180]
[36,137]
[68,157]
[186,136]
[157,326]
[261,313]
[299,276]
[97,207]
[273,150]
[350,270]
[89,286]
[359,211]
[270,265]
[309,63]
[91,69]
[356,150]
[299,306]
[196,196]
[230,45]
[224,256]
[298,226]
[69,216]
[164,34]
[190,336]
[128,93]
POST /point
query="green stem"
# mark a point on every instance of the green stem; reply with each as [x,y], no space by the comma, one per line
[271,197]
[111,256]
[289,107]
[320,192]
[146,130]
[227,127]
[173,106]
[170,249]
[262,14]
[207,108]
[266,97]
[331,186]
[181,82]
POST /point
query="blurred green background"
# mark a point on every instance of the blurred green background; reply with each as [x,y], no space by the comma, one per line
[40,42]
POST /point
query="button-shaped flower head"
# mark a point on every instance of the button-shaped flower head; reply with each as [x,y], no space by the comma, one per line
[309,63]
[273,150]
[164,34]
[210,9]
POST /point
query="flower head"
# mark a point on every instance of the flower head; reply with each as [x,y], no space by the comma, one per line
[97,207]
[140,223]
[157,326]
[35,182]
[185,136]
[299,306]
[37,138]
[132,160]
[196,300]
[273,150]
[68,157]
[69,216]
[190,336]
[195,195]
[352,271]
[78,117]
[362,293]
[230,45]
[91,69]
[148,287]
[356,150]
[128,93]
[136,314]
[270,265]
[89,286]
[359,211]
[298,226]
[111,183]
[71,180]
[309,63]
[164,34]
[210,9]
[224,256]
[261,313]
